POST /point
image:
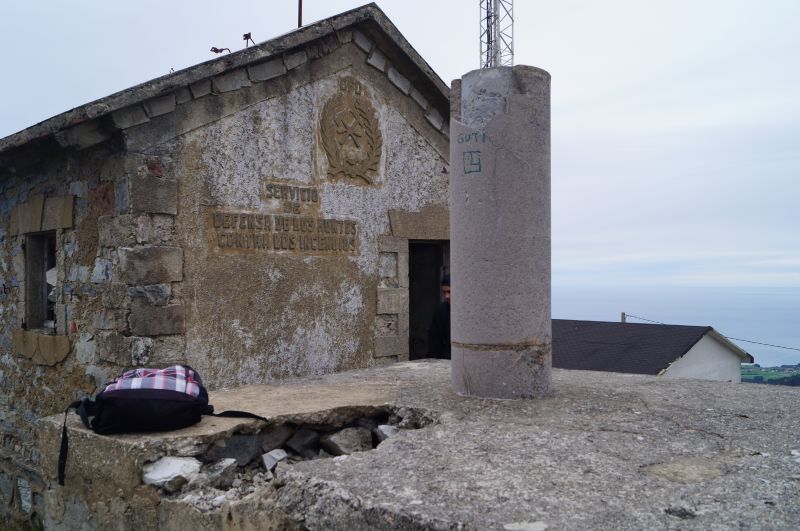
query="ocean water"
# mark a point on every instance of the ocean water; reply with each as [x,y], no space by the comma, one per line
[767,315]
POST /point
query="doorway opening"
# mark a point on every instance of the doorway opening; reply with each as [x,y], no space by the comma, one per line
[428,262]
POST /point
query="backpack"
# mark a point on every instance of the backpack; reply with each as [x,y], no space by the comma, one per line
[142,400]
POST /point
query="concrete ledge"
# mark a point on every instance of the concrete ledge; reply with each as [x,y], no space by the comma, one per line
[605,451]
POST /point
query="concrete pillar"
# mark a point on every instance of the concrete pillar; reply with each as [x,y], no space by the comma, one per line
[500,232]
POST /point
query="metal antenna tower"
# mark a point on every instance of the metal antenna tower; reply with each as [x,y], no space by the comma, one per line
[497,33]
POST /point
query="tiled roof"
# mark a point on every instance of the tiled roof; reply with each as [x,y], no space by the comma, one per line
[621,347]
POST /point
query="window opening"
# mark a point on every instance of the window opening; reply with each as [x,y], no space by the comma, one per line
[40,257]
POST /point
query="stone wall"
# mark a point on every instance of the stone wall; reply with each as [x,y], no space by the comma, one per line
[231,224]
[111,216]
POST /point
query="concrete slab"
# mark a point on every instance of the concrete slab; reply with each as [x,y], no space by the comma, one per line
[605,451]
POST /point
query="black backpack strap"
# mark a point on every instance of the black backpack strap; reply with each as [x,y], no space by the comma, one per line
[62,453]
[239,414]
[85,409]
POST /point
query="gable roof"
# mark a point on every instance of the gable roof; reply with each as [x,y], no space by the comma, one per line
[374,29]
[626,347]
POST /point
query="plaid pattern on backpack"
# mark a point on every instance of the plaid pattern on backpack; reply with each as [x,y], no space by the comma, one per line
[177,378]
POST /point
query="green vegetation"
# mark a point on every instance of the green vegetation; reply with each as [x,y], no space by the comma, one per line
[783,375]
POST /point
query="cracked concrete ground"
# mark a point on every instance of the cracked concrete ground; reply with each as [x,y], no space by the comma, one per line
[604,451]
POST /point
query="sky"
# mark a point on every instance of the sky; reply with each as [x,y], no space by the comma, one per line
[675,123]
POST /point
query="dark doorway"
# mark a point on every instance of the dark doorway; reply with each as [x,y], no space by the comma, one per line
[428,261]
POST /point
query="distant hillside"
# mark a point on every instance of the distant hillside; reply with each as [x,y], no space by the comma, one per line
[783,375]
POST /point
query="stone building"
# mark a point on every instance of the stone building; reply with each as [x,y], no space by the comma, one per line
[267,214]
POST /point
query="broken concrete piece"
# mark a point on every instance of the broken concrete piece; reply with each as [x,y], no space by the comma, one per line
[367,422]
[243,448]
[348,441]
[222,473]
[385,431]
[275,436]
[270,459]
[304,442]
[170,473]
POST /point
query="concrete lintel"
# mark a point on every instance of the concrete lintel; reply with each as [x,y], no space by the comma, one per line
[30,214]
[390,244]
[432,222]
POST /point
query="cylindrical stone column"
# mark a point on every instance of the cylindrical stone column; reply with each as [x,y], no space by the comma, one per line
[500,232]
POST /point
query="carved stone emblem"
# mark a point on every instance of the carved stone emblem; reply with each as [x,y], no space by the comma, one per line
[351,134]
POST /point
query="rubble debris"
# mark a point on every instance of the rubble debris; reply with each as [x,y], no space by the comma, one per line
[412,419]
[385,431]
[222,473]
[272,458]
[243,448]
[231,469]
[347,441]
[304,442]
[170,473]
[275,436]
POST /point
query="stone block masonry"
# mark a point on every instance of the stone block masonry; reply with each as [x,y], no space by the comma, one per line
[151,265]
[149,320]
[154,195]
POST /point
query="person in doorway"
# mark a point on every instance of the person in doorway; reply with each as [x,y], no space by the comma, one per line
[439,331]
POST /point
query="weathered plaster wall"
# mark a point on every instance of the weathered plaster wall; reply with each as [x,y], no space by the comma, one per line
[254,315]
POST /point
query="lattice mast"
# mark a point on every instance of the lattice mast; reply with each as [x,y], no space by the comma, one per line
[497,33]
